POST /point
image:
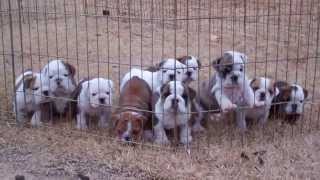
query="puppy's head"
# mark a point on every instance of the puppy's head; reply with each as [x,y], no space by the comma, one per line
[129,126]
[264,91]
[60,75]
[99,91]
[192,67]
[231,68]
[176,96]
[35,86]
[293,97]
[171,70]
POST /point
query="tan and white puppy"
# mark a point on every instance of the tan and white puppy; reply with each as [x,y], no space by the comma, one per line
[94,99]
[229,86]
[172,110]
[192,68]
[264,91]
[290,101]
[170,70]
[133,117]
[31,90]
[61,83]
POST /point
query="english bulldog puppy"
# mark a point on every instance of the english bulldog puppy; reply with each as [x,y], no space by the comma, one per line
[229,86]
[61,83]
[289,102]
[169,70]
[31,90]
[264,91]
[94,99]
[133,117]
[173,109]
[192,68]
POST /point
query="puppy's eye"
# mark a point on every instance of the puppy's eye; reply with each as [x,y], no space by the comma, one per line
[241,69]
[107,93]
[50,77]
[94,94]
[35,89]
[164,71]
[255,88]
[301,101]
[178,72]
[66,75]
[194,68]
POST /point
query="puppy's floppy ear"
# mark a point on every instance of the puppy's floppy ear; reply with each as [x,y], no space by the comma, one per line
[111,84]
[252,81]
[285,93]
[115,119]
[71,68]
[28,81]
[162,63]
[305,92]
[199,63]
[216,63]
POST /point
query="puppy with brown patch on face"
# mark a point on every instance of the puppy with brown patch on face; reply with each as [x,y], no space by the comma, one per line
[264,91]
[94,99]
[192,68]
[173,109]
[31,91]
[229,87]
[133,117]
[289,102]
[60,75]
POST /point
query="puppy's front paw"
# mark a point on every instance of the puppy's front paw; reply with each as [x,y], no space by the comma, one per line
[197,128]
[82,126]
[186,139]
[35,121]
[162,140]
[102,124]
[227,106]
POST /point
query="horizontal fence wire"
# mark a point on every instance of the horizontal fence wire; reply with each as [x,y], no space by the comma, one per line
[106,38]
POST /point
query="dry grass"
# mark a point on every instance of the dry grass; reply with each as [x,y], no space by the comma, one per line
[283,47]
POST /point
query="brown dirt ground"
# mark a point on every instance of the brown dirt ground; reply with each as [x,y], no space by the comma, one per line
[279,46]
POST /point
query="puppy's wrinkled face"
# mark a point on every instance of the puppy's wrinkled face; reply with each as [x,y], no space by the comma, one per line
[99,91]
[60,75]
[192,68]
[171,70]
[296,96]
[231,68]
[129,126]
[175,96]
[264,91]
[36,88]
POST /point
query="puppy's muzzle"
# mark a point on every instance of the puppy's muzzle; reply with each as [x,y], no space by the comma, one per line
[172,77]
[189,73]
[294,108]
[234,79]
[175,103]
[262,96]
[45,93]
[58,81]
[102,100]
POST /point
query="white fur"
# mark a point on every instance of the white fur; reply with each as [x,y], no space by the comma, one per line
[296,97]
[261,109]
[229,94]
[192,67]
[158,78]
[169,117]
[27,100]
[56,71]
[89,101]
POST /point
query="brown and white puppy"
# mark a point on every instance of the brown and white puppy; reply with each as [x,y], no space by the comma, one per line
[289,102]
[60,75]
[192,68]
[264,91]
[133,117]
[173,109]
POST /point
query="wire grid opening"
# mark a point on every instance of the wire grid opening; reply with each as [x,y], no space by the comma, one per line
[104,38]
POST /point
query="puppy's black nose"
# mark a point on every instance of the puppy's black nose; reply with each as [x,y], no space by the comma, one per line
[46,93]
[234,78]
[175,102]
[262,96]
[189,73]
[102,100]
[127,138]
[172,77]
[58,81]
[294,107]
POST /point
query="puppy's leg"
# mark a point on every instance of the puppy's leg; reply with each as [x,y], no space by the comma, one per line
[81,121]
[103,120]
[160,135]
[36,119]
[241,119]
[185,134]
[263,119]
[223,101]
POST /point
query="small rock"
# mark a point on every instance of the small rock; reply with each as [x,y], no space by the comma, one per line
[244,156]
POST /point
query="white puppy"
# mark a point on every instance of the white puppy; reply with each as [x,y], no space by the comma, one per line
[94,99]
[61,83]
[170,70]
[192,67]
[31,90]
[264,92]
[231,88]
[172,109]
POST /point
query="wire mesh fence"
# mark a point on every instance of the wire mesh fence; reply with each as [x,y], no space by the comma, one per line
[105,38]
